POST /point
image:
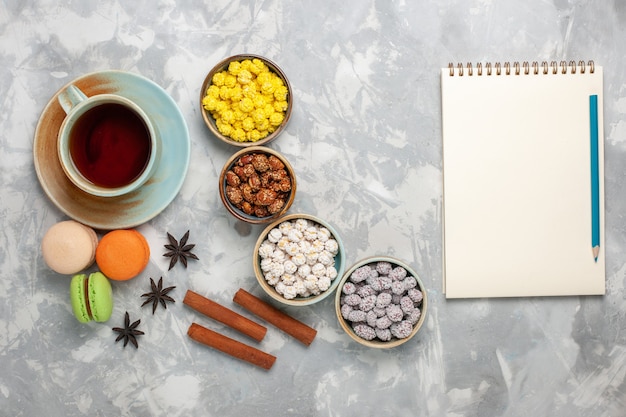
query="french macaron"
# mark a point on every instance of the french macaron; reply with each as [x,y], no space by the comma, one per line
[122,254]
[68,247]
[91,297]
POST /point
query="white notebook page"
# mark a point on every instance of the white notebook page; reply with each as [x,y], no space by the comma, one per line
[517,193]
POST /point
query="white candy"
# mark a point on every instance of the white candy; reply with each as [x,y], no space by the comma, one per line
[302,224]
[323,234]
[282,243]
[288,279]
[310,234]
[277,268]
[290,267]
[318,270]
[331,272]
[305,246]
[297,258]
[292,249]
[300,287]
[274,235]
[285,227]
[295,235]
[290,292]
[311,257]
[266,264]
[272,279]
[266,249]
[278,255]
[323,283]
[317,246]
[331,246]
[310,283]
[326,258]
[304,270]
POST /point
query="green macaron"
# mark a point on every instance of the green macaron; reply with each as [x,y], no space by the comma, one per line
[92,297]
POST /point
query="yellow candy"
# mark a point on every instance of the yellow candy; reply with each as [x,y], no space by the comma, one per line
[253,135]
[244,76]
[276,119]
[262,124]
[280,93]
[264,77]
[218,79]
[209,103]
[224,92]
[257,66]
[224,128]
[238,134]
[248,124]
[234,67]
[268,110]
[258,115]
[228,116]
[220,106]
[239,115]
[230,80]
[267,87]
[246,105]
[249,90]
[280,106]
[259,101]
[213,91]
[247,100]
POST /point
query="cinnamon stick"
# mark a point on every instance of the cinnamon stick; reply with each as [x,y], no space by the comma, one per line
[230,346]
[286,323]
[224,315]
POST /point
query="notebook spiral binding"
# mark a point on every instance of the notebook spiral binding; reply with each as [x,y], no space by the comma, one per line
[525,68]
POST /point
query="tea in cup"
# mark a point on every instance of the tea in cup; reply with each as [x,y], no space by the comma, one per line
[107,145]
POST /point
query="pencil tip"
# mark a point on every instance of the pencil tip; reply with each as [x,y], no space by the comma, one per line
[596,252]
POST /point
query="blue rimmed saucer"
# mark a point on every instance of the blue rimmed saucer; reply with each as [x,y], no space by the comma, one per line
[107,213]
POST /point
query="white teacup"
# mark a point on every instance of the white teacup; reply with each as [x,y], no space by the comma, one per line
[107,144]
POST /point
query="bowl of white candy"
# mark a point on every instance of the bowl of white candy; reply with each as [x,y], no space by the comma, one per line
[299,259]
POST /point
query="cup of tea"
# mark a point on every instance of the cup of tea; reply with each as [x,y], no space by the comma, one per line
[107,144]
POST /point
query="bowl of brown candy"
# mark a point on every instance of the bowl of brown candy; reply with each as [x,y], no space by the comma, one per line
[381,302]
[257,184]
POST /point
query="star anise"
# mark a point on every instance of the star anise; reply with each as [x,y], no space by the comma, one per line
[158,295]
[129,332]
[179,250]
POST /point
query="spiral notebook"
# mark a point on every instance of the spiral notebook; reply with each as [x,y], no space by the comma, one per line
[523,169]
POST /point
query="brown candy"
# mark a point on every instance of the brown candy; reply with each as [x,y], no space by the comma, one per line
[234,194]
[261,163]
[258,184]
[232,179]
[275,163]
[265,197]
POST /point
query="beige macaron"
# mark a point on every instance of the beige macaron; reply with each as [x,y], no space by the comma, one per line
[69,247]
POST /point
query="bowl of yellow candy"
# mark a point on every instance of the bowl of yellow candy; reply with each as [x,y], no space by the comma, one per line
[246,100]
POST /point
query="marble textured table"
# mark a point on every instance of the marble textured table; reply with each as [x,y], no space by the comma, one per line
[365,140]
